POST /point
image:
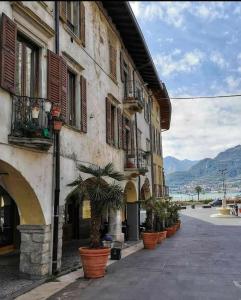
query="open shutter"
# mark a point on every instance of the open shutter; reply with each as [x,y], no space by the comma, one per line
[54,77]
[133,138]
[83,90]
[124,133]
[82,23]
[8,53]
[108,121]
[119,118]
[122,67]
[64,106]
[63,10]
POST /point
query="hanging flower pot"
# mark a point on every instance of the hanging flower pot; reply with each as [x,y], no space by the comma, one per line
[57,125]
[56,110]
[47,106]
[35,112]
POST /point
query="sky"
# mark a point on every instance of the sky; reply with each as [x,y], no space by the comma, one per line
[197,51]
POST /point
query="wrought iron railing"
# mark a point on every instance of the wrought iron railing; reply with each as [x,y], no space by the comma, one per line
[133,92]
[31,117]
[133,161]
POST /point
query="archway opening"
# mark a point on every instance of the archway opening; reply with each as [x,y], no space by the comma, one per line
[130,214]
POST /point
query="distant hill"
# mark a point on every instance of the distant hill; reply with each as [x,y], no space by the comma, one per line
[207,171]
[172,164]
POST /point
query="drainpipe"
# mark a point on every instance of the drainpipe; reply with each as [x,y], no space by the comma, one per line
[57,166]
[151,148]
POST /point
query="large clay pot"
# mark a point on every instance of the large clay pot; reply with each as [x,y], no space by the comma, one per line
[170,231]
[150,239]
[94,261]
[162,235]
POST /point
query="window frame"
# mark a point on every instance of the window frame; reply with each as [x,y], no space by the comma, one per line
[72,123]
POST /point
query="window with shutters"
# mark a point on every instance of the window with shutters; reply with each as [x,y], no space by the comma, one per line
[114,133]
[73,14]
[27,64]
[113,126]
[71,98]
[73,20]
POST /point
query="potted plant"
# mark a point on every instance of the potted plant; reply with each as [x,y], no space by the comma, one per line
[56,110]
[149,236]
[102,196]
[159,220]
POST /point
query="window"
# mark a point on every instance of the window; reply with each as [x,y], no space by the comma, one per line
[112,55]
[113,125]
[27,68]
[71,99]
[73,16]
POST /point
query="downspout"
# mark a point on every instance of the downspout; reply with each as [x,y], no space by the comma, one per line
[151,148]
[56,167]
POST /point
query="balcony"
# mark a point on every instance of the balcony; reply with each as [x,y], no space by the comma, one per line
[135,167]
[31,126]
[133,98]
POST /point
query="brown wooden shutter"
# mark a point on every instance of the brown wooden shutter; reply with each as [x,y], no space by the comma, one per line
[108,121]
[130,82]
[82,23]
[83,105]
[8,53]
[63,10]
[64,106]
[133,138]
[113,54]
[122,67]
[54,77]
[124,133]
[119,118]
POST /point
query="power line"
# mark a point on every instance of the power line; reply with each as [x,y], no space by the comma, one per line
[202,97]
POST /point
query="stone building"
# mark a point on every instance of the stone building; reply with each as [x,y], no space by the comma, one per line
[89,59]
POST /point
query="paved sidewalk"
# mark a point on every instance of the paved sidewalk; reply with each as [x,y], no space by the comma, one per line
[202,261]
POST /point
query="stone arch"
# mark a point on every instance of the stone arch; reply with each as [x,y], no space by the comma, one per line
[145,190]
[20,190]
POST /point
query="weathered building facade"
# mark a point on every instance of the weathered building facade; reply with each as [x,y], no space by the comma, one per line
[89,59]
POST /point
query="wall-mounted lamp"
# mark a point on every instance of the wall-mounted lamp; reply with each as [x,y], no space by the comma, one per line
[92,116]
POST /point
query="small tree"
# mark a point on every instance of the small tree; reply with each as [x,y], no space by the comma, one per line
[102,195]
[160,215]
[149,205]
[198,189]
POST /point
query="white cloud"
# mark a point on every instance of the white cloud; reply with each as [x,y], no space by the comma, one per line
[175,12]
[202,128]
[218,59]
[172,63]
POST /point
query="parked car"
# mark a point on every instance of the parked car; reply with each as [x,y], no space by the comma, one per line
[216,202]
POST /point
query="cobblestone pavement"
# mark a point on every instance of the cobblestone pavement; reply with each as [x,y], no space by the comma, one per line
[202,261]
[10,280]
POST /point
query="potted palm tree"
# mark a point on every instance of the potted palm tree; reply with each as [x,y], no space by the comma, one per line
[102,196]
[159,220]
[149,236]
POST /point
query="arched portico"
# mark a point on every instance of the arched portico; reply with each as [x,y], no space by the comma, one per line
[18,194]
[131,211]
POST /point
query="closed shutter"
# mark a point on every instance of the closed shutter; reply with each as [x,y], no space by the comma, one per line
[124,133]
[108,121]
[64,106]
[133,138]
[63,10]
[112,53]
[54,77]
[82,23]
[8,53]
[130,82]
[122,67]
[119,118]
[83,89]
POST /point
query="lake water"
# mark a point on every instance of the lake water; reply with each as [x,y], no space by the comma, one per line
[202,196]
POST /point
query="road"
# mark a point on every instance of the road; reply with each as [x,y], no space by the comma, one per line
[202,261]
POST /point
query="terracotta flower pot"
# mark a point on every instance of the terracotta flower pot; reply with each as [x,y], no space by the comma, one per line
[150,239]
[56,110]
[94,261]
[159,239]
[170,231]
[57,125]
[162,235]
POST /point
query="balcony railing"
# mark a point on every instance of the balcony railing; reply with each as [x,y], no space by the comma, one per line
[133,97]
[136,165]
[31,126]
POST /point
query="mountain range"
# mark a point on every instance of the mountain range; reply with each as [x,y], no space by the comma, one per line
[172,164]
[207,172]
